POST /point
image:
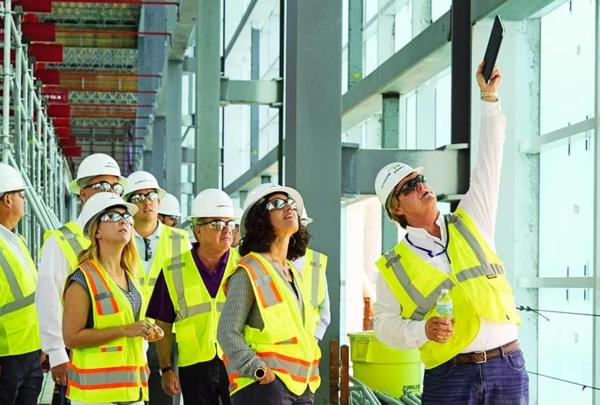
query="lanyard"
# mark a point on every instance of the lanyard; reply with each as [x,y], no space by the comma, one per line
[429,251]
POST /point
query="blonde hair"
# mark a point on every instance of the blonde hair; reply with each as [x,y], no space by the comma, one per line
[391,206]
[129,256]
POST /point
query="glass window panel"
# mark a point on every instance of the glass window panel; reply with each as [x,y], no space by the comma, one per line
[566,207]
[403,26]
[411,121]
[237,146]
[567,65]
[439,8]
[565,346]
[370,54]
[442,111]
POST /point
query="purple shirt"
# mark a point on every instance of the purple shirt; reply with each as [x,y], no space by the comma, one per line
[161,307]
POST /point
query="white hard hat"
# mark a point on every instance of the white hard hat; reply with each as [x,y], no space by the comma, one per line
[389,177]
[265,189]
[169,205]
[97,164]
[98,203]
[212,203]
[10,179]
[141,180]
[237,213]
[305,219]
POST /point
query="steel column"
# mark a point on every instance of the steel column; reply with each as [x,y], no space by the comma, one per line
[173,135]
[159,135]
[461,71]
[355,41]
[208,151]
[312,108]
[254,75]
[390,125]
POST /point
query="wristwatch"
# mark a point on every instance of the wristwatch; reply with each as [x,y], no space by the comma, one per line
[260,373]
[165,369]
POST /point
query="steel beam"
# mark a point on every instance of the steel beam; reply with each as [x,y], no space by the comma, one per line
[447,168]
[390,126]
[208,151]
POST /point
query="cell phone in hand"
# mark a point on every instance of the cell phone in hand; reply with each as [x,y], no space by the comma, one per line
[493,47]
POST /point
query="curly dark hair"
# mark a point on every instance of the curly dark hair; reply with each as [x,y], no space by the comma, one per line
[259,234]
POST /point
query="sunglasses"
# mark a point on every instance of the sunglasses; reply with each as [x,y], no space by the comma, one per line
[105,186]
[218,225]
[114,216]
[411,185]
[172,217]
[140,198]
[279,203]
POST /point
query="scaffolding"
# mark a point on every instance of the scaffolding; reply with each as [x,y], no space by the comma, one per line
[28,141]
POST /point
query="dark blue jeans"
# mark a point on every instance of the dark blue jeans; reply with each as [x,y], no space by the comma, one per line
[499,381]
[20,379]
[274,393]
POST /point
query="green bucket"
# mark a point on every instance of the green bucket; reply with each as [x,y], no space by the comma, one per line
[384,368]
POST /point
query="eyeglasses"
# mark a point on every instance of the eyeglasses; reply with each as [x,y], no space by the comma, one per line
[114,216]
[218,225]
[105,186]
[279,203]
[172,217]
[411,185]
[140,198]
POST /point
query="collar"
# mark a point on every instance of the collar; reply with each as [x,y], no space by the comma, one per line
[153,235]
[420,235]
[8,234]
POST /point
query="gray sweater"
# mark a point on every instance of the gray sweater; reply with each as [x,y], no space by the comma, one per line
[240,309]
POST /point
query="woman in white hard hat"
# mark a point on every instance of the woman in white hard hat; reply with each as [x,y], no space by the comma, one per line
[267,326]
[103,310]
[169,211]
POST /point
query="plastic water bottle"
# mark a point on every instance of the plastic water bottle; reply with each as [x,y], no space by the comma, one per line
[444,305]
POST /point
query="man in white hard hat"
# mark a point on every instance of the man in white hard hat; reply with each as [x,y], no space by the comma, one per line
[156,244]
[169,211]
[191,295]
[471,350]
[312,266]
[21,373]
[96,173]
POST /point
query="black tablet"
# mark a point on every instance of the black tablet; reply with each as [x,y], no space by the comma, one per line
[493,47]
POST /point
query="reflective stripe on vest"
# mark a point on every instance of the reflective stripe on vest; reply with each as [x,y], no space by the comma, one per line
[315,266]
[265,286]
[108,377]
[103,297]
[70,237]
[298,370]
[424,304]
[485,268]
[20,300]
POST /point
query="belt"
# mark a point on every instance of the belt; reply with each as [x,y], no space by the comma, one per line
[483,356]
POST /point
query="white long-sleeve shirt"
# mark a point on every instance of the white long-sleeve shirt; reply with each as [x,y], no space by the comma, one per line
[53,270]
[481,203]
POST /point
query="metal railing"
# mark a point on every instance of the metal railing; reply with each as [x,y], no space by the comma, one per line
[28,141]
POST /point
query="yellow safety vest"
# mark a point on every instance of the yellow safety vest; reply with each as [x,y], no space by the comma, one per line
[197,312]
[313,278]
[286,343]
[19,328]
[477,283]
[71,241]
[115,371]
[172,242]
